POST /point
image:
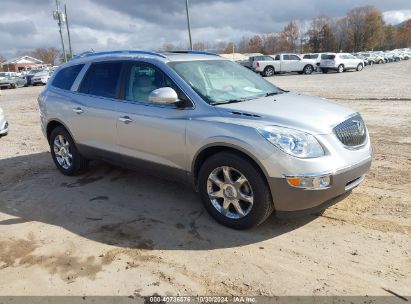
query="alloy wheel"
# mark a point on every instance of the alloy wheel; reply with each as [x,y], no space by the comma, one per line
[62,152]
[230,192]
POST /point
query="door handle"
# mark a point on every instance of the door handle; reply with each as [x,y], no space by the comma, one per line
[78,110]
[125,119]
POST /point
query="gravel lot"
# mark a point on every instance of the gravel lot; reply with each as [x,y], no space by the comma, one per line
[118,232]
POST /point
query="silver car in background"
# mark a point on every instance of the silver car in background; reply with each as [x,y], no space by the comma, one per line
[340,62]
[248,147]
[4,125]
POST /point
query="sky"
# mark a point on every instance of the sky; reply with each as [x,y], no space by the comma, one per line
[148,24]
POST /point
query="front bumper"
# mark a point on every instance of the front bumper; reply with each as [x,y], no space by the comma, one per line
[4,125]
[291,201]
[38,80]
[5,84]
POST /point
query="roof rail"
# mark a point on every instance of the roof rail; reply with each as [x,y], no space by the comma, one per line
[194,52]
[89,54]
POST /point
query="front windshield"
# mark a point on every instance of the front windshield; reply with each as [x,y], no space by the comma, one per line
[223,81]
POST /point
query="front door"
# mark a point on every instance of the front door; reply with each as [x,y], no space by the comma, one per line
[148,132]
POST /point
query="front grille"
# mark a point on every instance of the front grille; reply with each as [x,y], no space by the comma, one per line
[351,132]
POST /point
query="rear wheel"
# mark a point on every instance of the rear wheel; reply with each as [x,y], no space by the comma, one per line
[268,71]
[234,191]
[65,155]
[340,68]
[380,61]
[308,69]
[359,67]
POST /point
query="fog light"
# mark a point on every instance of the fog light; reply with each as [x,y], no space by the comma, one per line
[310,182]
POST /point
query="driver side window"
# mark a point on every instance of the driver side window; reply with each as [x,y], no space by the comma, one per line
[143,79]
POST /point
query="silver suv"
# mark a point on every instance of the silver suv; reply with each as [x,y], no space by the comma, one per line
[248,147]
[340,62]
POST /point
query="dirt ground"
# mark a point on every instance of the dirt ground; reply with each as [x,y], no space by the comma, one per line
[116,232]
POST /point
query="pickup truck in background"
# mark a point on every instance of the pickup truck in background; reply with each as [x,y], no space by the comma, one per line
[249,63]
[284,63]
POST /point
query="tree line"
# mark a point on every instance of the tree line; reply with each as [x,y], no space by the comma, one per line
[361,29]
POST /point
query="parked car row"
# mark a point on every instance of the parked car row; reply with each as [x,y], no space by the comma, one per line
[269,65]
[13,80]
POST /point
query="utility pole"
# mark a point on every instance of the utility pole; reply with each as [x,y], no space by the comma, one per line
[188,25]
[59,17]
[68,31]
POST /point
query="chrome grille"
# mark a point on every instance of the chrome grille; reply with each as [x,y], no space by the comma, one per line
[351,132]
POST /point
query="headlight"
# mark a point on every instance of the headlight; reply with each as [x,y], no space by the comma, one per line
[293,142]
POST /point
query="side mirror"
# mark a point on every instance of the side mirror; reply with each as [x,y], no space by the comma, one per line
[164,95]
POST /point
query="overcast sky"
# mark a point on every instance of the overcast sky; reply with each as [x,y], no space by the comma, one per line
[148,24]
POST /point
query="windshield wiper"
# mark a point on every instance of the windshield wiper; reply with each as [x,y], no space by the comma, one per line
[228,101]
[273,93]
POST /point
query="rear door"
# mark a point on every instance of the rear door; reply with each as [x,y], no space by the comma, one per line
[93,111]
[295,63]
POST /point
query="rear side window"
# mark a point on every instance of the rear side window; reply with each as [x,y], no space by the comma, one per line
[327,56]
[65,78]
[102,79]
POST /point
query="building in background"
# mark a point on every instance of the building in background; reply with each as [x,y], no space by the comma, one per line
[20,64]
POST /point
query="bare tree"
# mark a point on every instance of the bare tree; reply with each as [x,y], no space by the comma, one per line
[47,55]
[168,46]
[199,46]
[320,35]
[290,36]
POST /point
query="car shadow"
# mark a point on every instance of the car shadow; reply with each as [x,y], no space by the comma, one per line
[116,206]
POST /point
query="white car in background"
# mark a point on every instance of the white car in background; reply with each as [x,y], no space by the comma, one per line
[314,56]
[4,125]
[41,78]
[340,62]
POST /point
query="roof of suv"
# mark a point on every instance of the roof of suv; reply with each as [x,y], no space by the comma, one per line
[162,56]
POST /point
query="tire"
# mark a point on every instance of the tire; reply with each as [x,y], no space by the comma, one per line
[325,71]
[13,86]
[254,184]
[360,67]
[340,68]
[77,164]
[380,61]
[371,62]
[308,69]
[269,71]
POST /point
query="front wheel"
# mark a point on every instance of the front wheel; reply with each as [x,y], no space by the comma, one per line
[308,69]
[234,191]
[340,68]
[65,155]
[268,71]
[359,67]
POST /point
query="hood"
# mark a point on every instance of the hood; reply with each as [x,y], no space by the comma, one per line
[310,114]
[41,74]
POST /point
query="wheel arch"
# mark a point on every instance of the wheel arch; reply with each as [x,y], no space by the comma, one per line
[308,64]
[211,149]
[270,66]
[55,123]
